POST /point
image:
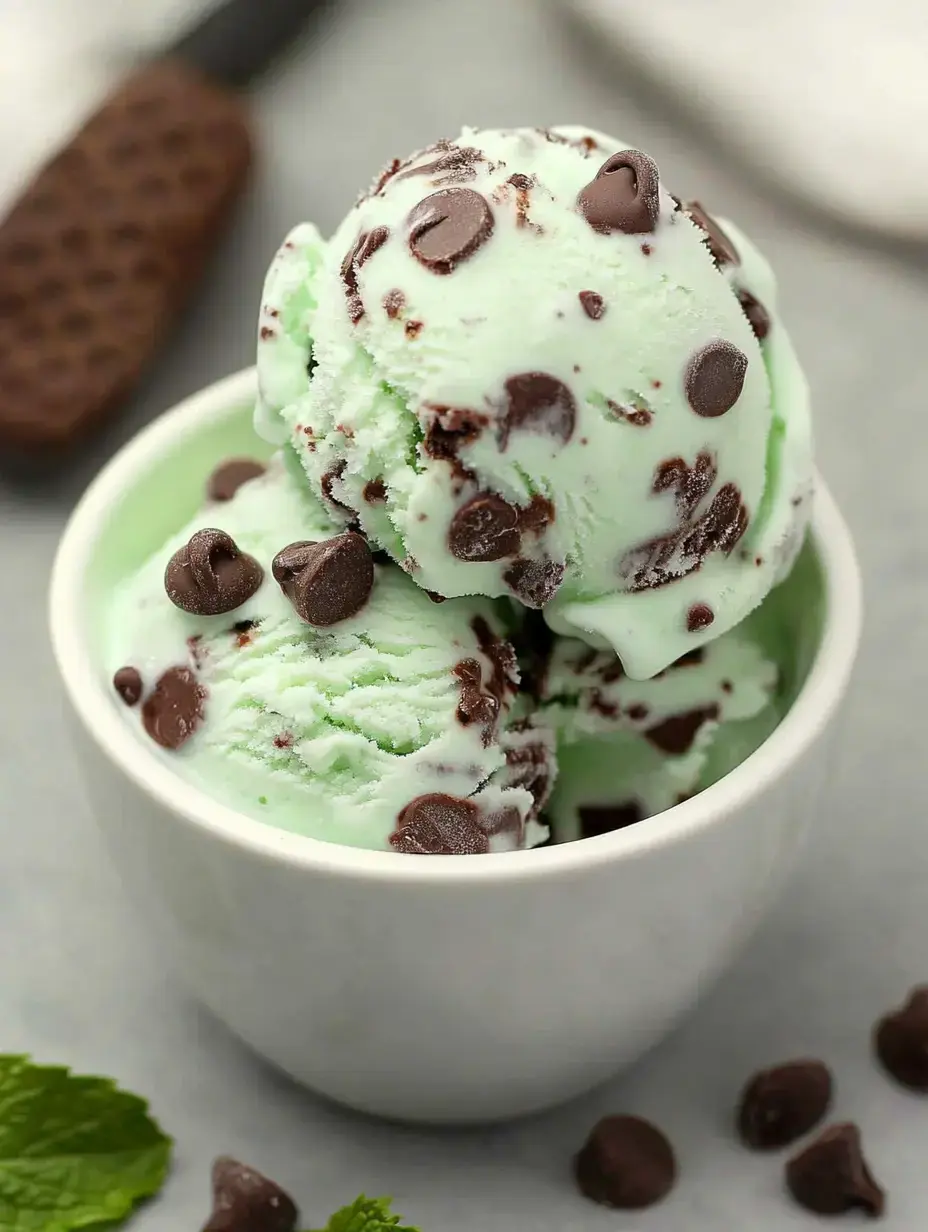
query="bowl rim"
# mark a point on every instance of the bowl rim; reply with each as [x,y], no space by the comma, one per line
[90,698]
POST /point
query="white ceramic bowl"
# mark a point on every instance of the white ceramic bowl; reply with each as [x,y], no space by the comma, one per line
[446,989]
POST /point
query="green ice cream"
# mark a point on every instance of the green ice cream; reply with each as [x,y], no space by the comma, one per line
[525,369]
[398,726]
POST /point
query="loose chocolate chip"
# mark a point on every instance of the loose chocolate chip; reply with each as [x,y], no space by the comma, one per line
[831,1175]
[700,616]
[598,819]
[485,528]
[361,250]
[210,575]
[246,1201]
[128,684]
[624,195]
[676,735]
[593,304]
[714,378]
[437,824]
[229,476]
[723,250]
[326,582]
[172,711]
[537,402]
[626,1163]
[757,315]
[534,582]
[781,1104]
[901,1041]
[447,227]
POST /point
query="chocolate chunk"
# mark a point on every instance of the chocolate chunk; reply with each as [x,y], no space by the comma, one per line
[447,227]
[328,479]
[598,819]
[781,1104]
[529,766]
[484,529]
[537,402]
[128,684]
[326,582]
[723,250]
[246,1201]
[720,527]
[375,491]
[624,195]
[700,616]
[757,315]
[210,575]
[455,164]
[171,713]
[534,582]
[361,251]
[688,483]
[675,736]
[437,824]
[229,476]
[626,1163]
[452,428]
[714,378]
[476,704]
[593,304]
[523,185]
[831,1175]
[901,1041]
[393,303]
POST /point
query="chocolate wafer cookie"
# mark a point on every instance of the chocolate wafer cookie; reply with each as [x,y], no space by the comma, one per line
[104,246]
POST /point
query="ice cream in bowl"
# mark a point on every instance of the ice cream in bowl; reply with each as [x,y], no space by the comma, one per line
[449,687]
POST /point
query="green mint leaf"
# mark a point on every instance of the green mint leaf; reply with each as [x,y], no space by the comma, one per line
[366,1215]
[74,1151]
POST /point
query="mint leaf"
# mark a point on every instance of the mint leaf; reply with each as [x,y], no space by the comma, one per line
[366,1215]
[73,1150]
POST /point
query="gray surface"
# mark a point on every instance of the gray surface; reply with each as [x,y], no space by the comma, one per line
[80,980]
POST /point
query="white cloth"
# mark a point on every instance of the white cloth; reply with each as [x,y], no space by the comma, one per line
[828,96]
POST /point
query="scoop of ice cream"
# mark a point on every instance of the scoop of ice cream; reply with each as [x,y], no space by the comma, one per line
[287,673]
[524,368]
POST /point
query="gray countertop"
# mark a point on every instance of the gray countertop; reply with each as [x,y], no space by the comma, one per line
[81,982]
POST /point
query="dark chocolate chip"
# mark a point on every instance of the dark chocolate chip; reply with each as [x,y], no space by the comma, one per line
[700,616]
[537,402]
[210,575]
[723,250]
[172,711]
[375,492]
[128,684]
[624,195]
[326,582]
[626,1163]
[361,250]
[534,582]
[447,227]
[598,819]
[675,736]
[901,1041]
[246,1201]
[393,303]
[714,378]
[437,824]
[781,1104]
[593,304]
[757,315]
[485,528]
[229,476]
[831,1175]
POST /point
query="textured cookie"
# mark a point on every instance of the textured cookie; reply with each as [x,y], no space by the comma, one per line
[100,252]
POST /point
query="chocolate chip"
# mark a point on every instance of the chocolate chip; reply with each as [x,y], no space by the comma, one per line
[623,196]
[530,766]
[485,528]
[246,1201]
[437,824]
[781,1104]
[676,735]
[476,704]
[172,711]
[537,402]
[455,164]
[326,582]
[626,1163]
[375,492]
[210,575]
[700,616]
[361,251]
[831,1175]
[723,250]
[757,315]
[452,428]
[593,304]
[534,582]
[447,227]
[393,303]
[128,684]
[901,1041]
[229,476]
[598,819]
[714,378]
